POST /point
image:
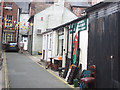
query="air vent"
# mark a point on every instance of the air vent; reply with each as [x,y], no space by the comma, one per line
[39,31]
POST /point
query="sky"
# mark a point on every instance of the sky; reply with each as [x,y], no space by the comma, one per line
[42,0]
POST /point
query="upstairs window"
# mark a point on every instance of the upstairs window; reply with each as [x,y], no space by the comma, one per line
[8,22]
[83,12]
[49,1]
[9,5]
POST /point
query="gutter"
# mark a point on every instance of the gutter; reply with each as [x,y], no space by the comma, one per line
[76,20]
[97,6]
[47,31]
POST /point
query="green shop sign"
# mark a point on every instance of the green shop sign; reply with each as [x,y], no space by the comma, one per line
[81,26]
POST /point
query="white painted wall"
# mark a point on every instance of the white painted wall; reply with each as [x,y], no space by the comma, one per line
[40,24]
[83,44]
[23,19]
[23,31]
[68,17]
[64,46]
[46,45]
[83,47]
[52,17]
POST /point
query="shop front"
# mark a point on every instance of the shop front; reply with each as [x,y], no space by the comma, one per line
[9,36]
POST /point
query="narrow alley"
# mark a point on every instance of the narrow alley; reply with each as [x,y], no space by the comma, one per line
[24,73]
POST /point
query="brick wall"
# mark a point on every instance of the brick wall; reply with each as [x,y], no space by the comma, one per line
[14,13]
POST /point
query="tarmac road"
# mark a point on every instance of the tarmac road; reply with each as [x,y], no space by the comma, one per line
[24,73]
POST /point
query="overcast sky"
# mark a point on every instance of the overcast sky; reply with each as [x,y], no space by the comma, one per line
[45,0]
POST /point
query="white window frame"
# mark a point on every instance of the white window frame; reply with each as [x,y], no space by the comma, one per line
[50,41]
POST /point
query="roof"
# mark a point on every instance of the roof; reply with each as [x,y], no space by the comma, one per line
[6,1]
[24,6]
[80,4]
[97,6]
[76,20]
[48,30]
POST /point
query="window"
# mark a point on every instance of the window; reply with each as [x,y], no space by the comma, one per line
[50,44]
[60,42]
[49,1]
[44,40]
[82,12]
[9,5]
[38,31]
[8,21]
[8,36]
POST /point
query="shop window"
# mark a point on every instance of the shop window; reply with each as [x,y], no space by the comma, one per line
[60,42]
[8,36]
[61,47]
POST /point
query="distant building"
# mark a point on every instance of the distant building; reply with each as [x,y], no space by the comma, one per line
[10,10]
[24,16]
[78,8]
[36,7]
[45,20]
[93,2]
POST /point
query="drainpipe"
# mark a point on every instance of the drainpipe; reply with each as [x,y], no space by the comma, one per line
[32,36]
[2,25]
[72,46]
[18,26]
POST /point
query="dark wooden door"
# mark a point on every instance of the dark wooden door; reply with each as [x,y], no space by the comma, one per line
[43,54]
[103,49]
